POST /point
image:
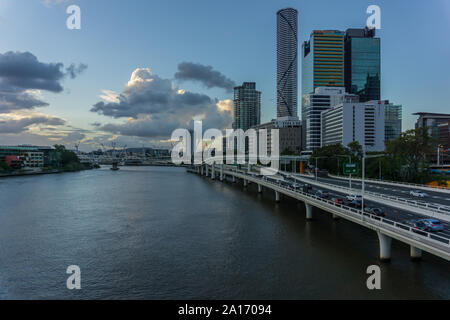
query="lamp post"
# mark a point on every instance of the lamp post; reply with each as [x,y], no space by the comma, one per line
[363,177]
[439,154]
[349,161]
[315,169]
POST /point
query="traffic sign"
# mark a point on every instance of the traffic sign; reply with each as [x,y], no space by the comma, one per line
[350,168]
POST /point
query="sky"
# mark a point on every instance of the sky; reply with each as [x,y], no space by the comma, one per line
[136,70]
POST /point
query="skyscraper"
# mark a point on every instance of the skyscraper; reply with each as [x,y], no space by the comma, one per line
[362,63]
[393,120]
[247,106]
[322,66]
[287,63]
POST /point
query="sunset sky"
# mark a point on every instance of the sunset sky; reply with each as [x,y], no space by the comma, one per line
[139,69]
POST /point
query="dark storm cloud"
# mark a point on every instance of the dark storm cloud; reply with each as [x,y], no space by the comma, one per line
[156,107]
[204,74]
[22,71]
[21,125]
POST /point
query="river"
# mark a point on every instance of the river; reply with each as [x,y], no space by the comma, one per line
[162,233]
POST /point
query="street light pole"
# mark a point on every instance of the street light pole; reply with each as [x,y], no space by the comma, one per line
[363,177]
[349,161]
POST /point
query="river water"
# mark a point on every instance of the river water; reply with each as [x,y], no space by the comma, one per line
[162,233]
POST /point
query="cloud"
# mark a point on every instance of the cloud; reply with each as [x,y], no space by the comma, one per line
[22,76]
[155,107]
[204,74]
[73,71]
[15,126]
[49,3]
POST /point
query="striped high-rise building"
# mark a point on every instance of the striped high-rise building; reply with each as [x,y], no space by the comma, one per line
[287,63]
[322,66]
[247,106]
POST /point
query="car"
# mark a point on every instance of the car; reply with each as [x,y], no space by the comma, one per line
[352,197]
[354,204]
[432,225]
[417,226]
[418,193]
[322,194]
[379,212]
[338,201]
[306,188]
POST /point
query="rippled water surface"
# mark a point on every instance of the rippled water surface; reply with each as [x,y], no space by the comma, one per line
[162,233]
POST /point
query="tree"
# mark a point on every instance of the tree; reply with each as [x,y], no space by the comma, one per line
[331,152]
[69,160]
[356,150]
[407,156]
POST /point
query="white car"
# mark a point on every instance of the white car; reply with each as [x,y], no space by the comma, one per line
[417,193]
[353,197]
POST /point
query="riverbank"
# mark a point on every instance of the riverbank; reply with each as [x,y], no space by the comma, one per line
[35,173]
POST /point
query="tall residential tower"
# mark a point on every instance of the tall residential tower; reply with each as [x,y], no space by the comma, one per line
[247,106]
[287,48]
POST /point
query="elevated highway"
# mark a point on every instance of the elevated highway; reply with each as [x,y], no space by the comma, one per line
[387,228]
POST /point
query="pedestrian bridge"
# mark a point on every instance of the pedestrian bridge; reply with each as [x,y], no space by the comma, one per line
[386,229]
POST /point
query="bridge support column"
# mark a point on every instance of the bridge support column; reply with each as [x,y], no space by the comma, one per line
[201,170]
[213,172]
[207,170]
[245,183]
[416,253]
[221,172]
[335,217]
[234,178]
[277,196]
[249,166]
[385,246]
[309,214]
[259,188]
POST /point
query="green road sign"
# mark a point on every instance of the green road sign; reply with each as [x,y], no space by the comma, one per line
[350,168]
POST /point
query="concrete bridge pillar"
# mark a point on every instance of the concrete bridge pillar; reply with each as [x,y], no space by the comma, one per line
[277,196]
[385,246]
[206,168]
[221,172]
[245,183]
[416,253]
[234,178]
[259,188]
[335,217]
[249,166]
[213,171]
[201,170]
[309,214]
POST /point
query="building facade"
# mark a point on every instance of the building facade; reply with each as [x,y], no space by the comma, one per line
[314,104]
[431,121]
[444,134]
[362,69]
[348,122]
[289,136]
[287,63]
[322,66]
[31,157]
[392,121]
[247,106]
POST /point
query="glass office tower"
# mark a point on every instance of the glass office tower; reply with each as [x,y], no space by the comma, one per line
[393,121]
[362,64]
[247,106]
[322,66]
